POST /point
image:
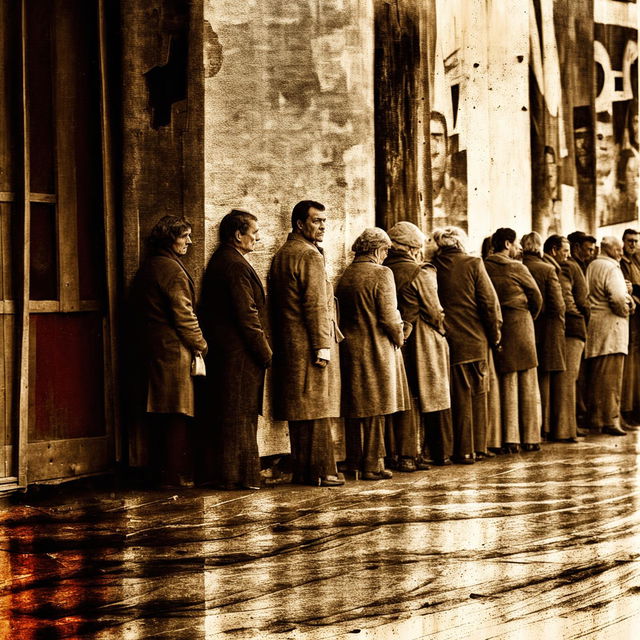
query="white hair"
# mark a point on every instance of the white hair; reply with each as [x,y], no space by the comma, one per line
[450,237]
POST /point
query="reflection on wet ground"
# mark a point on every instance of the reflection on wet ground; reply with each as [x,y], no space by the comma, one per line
[538,545]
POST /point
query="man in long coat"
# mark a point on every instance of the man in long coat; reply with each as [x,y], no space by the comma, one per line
[233,318]
[472,322]
[630,265]
[426,353]
[549,326]
[517,361]
[306,366]
[607,336]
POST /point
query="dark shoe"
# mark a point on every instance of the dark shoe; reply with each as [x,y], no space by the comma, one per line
[465,459]
[385,474]
[481,455]
[614,431]
[407,465]
[495,450]
[249,487]
[583,433]
[444,462]
[510,447]
[331,481]
[530,446]
[421,465]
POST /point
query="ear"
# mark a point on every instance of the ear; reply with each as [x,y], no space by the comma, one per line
[299,225]
[237,236]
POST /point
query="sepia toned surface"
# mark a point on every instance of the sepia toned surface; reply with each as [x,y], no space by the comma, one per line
[525,546]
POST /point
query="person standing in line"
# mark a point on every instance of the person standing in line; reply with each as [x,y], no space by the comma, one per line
[472,322]
[170,337]
[426,352]
[233,317]
[583,251]
[517,361]
[305,333]
[630,265]
[549,327]
[574,292]
[371,358]
[607,336]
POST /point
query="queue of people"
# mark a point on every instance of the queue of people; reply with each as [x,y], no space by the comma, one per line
[424,354]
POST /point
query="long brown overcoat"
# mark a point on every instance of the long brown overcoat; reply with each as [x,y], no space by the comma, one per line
[426,351]
[574,288]
[169,332]
[233,317]
[520,301]
[375,382]
[303,320]
[549,325]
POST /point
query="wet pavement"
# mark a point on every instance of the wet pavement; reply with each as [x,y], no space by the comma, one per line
[535,545]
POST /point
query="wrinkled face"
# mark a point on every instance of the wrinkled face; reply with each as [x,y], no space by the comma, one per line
[313,227]
[181,244]
[615,251]
[515,249]
[438,151]
[246,242]
[630,243]
[586,251]
[605,149]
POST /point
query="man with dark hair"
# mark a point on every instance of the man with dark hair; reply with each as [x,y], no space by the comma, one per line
[549,326]
[517,361]
[607,336]
[630,265]
[583,249]
[233,316]
[306,366]
[472,322]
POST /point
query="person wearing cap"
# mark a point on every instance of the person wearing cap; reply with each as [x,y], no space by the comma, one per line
[630,265]
[375,383]
[607,337]
[426,353]
[472,322]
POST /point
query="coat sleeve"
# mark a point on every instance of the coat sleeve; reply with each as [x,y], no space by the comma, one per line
[578,288]
[387,308]
[555,306]
[616,291]
[488,304]
[184,318]
[313,289]
[530,288]
[246,312]
[426,287]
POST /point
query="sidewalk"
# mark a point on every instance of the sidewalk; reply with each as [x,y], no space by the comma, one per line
[535,545]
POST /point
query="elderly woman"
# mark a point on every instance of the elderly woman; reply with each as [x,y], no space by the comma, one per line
[372,366]
[426,352]
[170,337]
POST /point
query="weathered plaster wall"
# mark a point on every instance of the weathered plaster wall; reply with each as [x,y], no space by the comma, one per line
[289,116]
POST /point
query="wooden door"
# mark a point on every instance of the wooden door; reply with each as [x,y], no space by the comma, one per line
[57,281]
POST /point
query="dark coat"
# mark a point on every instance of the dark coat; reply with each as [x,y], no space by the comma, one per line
[521,302]
[471,309]
[303,320]
[163,293]
[574,289]
[370,355]
[233,316]
[549,325]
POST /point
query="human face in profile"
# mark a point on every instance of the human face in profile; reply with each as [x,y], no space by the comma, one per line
[181,244]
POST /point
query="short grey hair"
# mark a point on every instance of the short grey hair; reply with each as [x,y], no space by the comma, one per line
[531,242]
[609,243]
[450,237]
[370,240]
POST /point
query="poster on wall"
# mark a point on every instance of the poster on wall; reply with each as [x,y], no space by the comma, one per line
[447,129]
[616,117]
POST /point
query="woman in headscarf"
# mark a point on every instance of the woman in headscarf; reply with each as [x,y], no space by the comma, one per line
[426,352]
[375,383]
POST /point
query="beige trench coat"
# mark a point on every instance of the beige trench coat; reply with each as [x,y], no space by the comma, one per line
[375,382]
[303,320]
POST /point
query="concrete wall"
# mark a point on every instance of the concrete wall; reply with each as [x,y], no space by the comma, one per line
[288,115]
